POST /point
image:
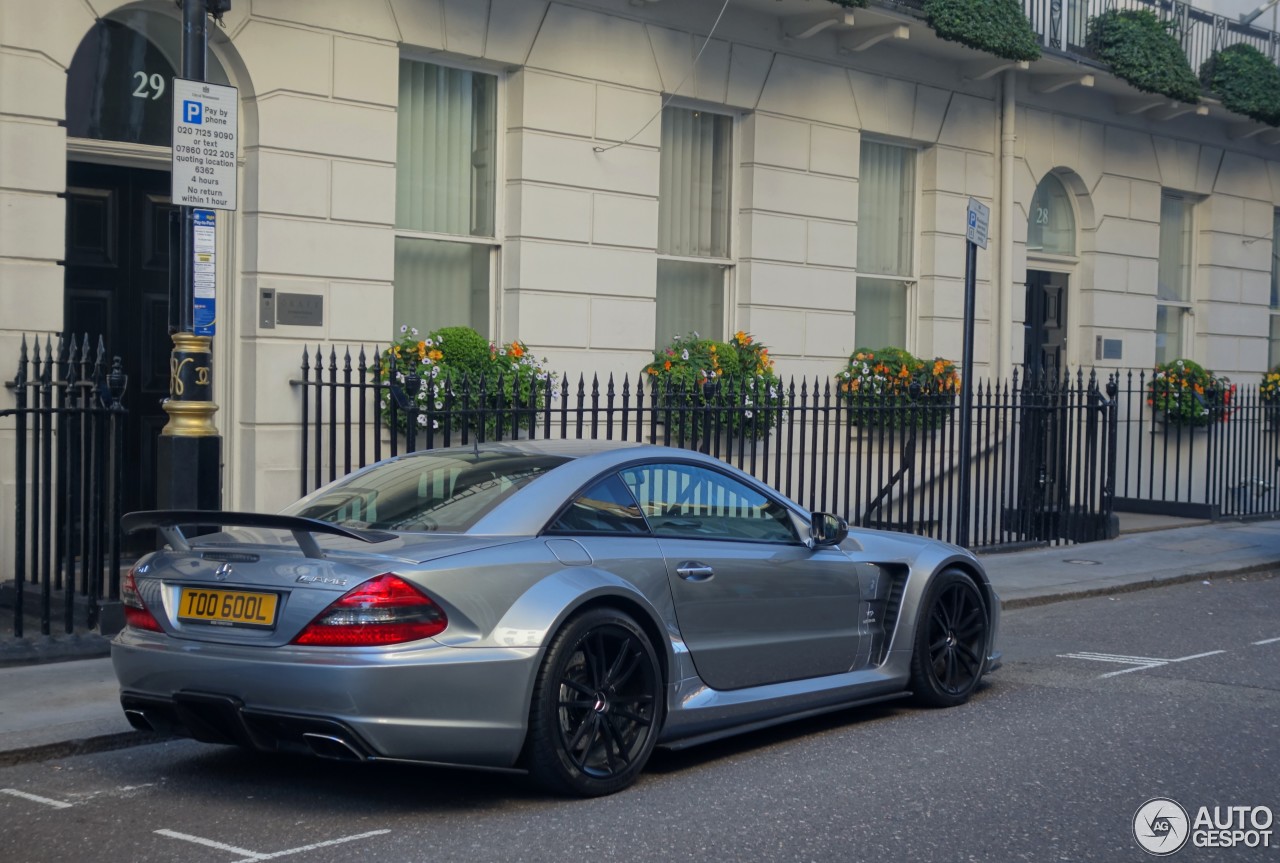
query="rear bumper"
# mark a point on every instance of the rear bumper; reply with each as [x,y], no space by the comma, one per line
[438,704]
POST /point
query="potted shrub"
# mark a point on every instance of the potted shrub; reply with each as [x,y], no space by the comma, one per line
[1246,81]
[453,379]
[998,27]
[1141,49]
[730,385]
[1269,396]
[1183,393]
[891,387]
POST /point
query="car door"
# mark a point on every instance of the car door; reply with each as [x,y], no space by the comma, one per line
[754,603]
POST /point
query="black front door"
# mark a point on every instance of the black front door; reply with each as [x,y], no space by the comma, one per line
[1046,324]
[1042,450]
[117,275]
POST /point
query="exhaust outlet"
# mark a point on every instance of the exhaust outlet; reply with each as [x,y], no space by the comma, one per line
[331,746]
[139,720]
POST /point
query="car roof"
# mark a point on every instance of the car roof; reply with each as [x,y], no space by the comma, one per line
[587,460]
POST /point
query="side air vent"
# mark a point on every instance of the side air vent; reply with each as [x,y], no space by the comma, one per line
[892,608]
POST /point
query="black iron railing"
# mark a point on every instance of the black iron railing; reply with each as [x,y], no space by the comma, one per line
[66,427]
[1043,461]
[1224,462]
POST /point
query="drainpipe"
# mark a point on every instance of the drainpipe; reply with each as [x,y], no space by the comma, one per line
[1004,305]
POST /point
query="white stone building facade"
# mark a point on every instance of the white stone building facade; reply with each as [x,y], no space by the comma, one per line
[584,174]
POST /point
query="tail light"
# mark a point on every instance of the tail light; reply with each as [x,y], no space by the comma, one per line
[136,613]
[383,610]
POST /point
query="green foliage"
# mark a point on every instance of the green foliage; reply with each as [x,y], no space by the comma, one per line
[850,4]
[1142,50]
[1246,81]
[890,386]
[454,377]
[1185,393]
[735,379]
[463,350]
[997,27]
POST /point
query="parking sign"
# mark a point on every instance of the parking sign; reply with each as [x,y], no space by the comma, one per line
[205,132]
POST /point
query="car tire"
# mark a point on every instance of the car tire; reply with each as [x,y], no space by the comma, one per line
[949,655]
[593,720]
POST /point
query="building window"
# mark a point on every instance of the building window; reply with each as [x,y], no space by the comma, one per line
[886,244]
[446,158]
[1173,287]
[1273,352]
[694,218]
[1051,225]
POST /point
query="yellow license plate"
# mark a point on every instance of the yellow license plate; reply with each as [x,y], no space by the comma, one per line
[227,607]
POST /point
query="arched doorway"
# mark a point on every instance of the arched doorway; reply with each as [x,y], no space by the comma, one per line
[1044,451]
[117,273]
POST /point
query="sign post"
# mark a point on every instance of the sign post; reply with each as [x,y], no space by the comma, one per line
[205,142]
[977,221]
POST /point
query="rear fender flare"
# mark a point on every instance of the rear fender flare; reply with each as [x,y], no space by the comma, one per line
[539,613]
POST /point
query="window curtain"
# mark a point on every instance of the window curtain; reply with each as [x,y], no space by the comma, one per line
[886,209]
[445,150]
[690,299]
[694,183]
[1275,259]
[881,319]
[440,284]
[1174,271]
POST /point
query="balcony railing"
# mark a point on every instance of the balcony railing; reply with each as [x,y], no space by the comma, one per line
[1062,25]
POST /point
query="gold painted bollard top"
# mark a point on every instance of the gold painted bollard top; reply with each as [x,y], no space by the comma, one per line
[190,404]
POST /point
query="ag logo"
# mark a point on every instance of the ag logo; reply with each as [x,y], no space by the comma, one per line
[1160,826]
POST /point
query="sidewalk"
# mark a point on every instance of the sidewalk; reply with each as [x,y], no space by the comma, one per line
[57,709]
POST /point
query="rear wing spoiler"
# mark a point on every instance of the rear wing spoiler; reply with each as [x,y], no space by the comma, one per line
[169,522]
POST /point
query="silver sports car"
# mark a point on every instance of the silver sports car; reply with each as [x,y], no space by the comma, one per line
[555,607]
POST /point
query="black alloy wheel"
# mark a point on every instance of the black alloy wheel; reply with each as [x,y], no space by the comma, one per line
[951,642]
[596,705]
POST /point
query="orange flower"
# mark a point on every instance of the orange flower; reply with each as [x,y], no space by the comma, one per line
[516,350]
[666,366]
[434,355]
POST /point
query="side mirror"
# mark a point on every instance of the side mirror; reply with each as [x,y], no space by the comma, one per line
[827,529]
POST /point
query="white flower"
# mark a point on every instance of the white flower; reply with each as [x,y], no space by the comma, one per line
[428,342]
[400,377]
[439,405]
[435,424]
[404,328]
[515,366]
[749,415]
[435,370]
[422,420]
[684,354]
[415,332]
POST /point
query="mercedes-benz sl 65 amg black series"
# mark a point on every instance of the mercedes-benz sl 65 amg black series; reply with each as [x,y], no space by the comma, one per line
[555,607]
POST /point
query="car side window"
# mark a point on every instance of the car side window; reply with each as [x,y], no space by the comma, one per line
[606,507]
[689,501]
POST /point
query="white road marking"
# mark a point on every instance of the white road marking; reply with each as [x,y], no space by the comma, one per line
[314,846]
[1139,663]
[56,804]
[1268,641]
[186,837]
[252,856]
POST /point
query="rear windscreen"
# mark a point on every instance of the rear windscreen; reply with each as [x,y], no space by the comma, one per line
[438,492]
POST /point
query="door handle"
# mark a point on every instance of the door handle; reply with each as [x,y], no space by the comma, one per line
[691,570]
